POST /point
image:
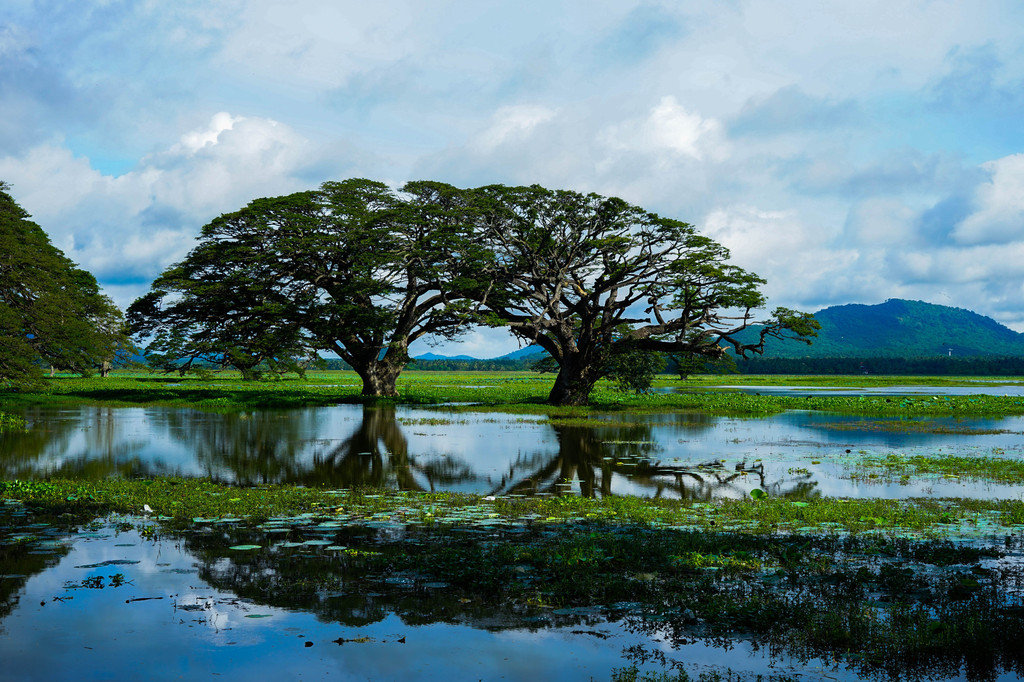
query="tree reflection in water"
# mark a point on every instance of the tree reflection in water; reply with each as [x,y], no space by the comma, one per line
[349,446]
[610,460]
[98,442]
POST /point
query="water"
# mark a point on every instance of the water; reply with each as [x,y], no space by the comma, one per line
[110,604]
[679,455]
[109,601]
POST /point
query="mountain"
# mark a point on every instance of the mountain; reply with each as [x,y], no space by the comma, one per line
[900,328]
[435,356]
[529,352]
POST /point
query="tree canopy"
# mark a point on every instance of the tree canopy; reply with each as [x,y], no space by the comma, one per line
[588,278]
[353,268]
[50,311]
[361,270]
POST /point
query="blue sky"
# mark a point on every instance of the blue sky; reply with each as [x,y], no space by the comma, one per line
[846,152]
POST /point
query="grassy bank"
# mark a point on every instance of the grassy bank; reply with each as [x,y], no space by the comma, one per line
[511,391]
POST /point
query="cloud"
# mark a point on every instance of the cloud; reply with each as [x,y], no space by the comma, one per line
[192,142]
[881,221]
[128,228]
[640,33]
[798,259]
[977,78]
[791,110]
[668,129]
[849,152]
[999,206]
[512,124]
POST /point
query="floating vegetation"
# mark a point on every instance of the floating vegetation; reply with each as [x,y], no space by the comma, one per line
[11,422]
[914,426]
[902,467]
[277,509]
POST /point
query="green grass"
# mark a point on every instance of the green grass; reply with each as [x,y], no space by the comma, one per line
[896,466]
[511,391]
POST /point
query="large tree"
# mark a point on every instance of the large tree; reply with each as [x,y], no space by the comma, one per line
[353,268]
[51,311]
[588,277]
[225,304]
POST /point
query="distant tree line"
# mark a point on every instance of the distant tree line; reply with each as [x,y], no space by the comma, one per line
[924,366]
[940,365]
[361,270]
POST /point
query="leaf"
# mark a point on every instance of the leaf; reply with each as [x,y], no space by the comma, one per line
[758,494]
[245,548]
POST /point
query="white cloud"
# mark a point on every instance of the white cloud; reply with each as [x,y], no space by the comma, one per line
[881,222]
[512,124]
[320,45]
[999,214]
[134,225]
[195,140]
[669,129]
[809,134]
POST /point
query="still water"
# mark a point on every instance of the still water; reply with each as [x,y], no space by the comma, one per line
[679,455]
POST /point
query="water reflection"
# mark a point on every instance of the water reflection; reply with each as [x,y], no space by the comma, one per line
[178,612]
[680,455]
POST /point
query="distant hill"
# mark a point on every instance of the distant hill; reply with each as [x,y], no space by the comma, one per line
[530,352]
[435,356]
[900,328]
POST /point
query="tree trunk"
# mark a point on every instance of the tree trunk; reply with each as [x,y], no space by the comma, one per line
[105,368]
[379,378]
[574,383]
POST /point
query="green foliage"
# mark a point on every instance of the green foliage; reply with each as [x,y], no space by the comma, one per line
[11,422]
[51,312]
[353,268]
[634,370]
[571,273]
[357,269]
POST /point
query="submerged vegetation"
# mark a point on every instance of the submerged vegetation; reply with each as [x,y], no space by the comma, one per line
[890,589]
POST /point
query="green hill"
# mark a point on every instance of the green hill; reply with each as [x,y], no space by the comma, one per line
[899,328]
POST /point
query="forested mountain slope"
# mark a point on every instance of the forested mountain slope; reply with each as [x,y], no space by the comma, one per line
[900,328]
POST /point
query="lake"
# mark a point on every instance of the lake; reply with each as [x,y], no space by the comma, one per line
[121,595]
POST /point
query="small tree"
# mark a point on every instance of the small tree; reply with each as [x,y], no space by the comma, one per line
[635,370]
[585,277]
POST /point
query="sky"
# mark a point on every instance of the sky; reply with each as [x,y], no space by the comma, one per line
[847,152]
